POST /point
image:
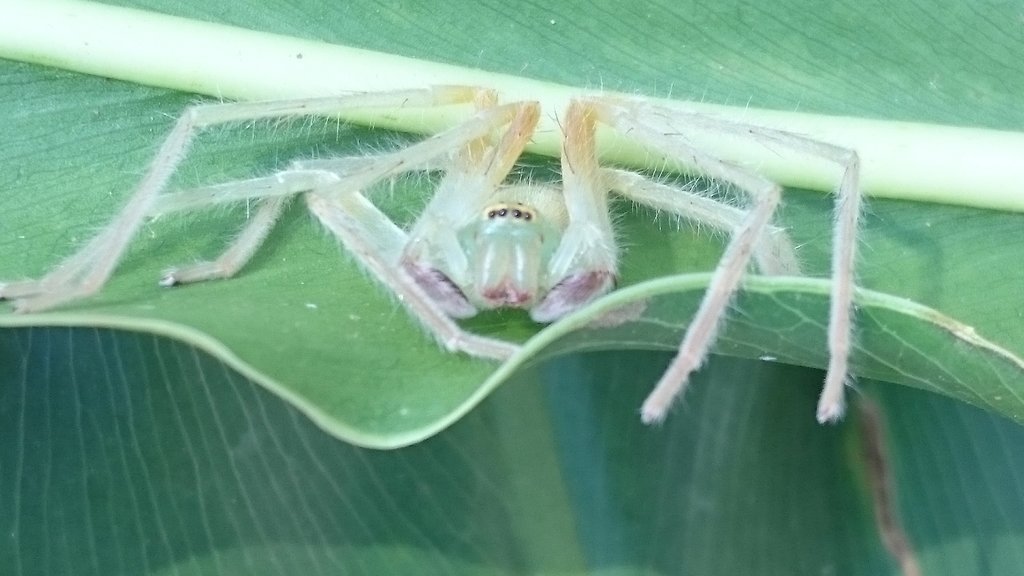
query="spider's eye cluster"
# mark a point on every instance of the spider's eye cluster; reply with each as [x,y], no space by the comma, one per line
[504,210]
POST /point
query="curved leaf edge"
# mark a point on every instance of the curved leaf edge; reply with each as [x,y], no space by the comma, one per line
[623,298]
[529,353]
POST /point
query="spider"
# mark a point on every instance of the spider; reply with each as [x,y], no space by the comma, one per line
[481,242]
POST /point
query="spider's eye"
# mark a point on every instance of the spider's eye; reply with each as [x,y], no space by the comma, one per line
[502,210]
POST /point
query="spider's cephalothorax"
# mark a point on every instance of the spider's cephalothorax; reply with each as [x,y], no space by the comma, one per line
[509,246]
[503,258]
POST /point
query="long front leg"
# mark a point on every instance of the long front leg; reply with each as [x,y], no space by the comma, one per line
[585,264]
[352,173]
[341,176]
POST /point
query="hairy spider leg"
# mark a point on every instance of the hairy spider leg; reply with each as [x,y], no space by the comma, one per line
[586,259]
[585,263]
[350,173]
[370,236]
[238,253]
[385,249]
[650,125]
[774,254]
[86,271]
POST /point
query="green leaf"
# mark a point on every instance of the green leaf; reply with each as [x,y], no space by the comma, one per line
[133,454]
[124,453]
[304,321]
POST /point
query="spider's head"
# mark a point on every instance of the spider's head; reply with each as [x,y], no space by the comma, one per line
[501,255]
[507,251]
[509,248]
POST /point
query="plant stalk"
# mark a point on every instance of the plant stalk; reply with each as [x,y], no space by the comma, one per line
[914,161]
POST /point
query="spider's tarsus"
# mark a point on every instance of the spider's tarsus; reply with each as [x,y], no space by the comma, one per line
[481,346]
[22,294]
[28,306]
[651,418]
[653,411]
[832,402]
[168,280]
[831,413]
[19,289]
[33,304]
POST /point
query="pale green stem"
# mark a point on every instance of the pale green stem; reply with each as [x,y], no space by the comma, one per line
[952,165]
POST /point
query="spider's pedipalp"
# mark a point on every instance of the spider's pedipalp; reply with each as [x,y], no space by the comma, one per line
[572,293]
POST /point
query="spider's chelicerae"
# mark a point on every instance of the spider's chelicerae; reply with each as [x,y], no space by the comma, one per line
[482,243]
